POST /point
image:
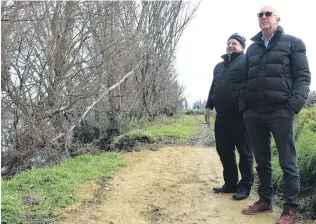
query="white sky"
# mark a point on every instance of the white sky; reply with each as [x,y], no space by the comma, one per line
[204,39]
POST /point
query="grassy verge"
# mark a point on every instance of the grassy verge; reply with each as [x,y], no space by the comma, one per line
[35,196]
[166,130]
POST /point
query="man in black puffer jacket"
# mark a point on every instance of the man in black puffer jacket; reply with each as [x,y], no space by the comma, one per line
[276,87]
[230,130]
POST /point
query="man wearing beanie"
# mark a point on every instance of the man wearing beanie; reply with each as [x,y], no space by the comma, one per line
[230,131]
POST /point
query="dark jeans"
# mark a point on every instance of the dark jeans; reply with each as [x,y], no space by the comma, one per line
[230,132]
[281,124]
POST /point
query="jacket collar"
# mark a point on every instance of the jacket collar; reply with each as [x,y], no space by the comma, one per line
[277,33]
[232,57]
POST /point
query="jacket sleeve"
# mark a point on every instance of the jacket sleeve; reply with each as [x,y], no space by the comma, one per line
[242,101]
[210,101]
[301,76]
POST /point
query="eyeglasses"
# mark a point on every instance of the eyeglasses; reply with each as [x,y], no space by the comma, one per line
[260,14]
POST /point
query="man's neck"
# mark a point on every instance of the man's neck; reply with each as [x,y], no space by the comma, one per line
[267,33]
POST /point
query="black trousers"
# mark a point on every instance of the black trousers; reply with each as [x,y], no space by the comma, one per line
[231,133]
[280,124]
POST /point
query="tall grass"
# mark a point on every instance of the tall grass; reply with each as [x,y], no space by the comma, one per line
[305,140]
[306,151]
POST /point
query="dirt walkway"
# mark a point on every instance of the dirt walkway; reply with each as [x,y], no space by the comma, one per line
[171,185]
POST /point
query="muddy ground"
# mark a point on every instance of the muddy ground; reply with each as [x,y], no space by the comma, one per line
[170,185]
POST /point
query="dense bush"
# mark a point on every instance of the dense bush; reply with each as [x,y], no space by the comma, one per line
[194,112]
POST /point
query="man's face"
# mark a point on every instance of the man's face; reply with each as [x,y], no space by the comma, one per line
[233,45]
[268,18]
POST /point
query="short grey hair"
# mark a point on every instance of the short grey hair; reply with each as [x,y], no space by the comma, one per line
[276,12]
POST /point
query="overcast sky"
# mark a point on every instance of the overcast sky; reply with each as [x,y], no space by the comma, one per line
[204,40]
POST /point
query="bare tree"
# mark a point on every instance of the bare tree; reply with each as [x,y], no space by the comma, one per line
[68,63]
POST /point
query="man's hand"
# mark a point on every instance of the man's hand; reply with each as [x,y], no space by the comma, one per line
[207,115]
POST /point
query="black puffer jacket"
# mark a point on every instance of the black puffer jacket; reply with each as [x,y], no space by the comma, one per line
[277,76]
[226,85]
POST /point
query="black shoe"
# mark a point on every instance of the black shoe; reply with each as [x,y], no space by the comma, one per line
[241,194]
[224,189]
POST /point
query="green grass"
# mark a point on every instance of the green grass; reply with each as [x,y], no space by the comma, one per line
[52,188]
[170,129]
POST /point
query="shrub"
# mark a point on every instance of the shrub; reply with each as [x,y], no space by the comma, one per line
[194,112]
